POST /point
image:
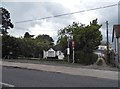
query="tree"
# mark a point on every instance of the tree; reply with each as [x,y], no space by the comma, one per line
[27,46]
[10,44]
[27,35]
[43,42]
[33,47]
[87,38]
[46,40]
[5,21]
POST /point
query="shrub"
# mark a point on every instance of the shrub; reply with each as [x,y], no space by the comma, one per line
[85,58]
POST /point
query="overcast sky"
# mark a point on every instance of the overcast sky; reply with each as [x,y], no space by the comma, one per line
[21,10]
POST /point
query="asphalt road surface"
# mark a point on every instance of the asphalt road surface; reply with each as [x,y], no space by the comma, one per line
[18,77]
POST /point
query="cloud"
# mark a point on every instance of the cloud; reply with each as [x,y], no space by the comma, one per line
[34,10]
[44,28]
[27,10]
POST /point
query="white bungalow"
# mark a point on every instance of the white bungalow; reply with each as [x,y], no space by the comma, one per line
[51,53]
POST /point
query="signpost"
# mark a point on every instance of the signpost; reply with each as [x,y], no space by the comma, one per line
[68,50]
[73,45]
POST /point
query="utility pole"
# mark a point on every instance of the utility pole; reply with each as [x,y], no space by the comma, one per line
[107,41]
[68,49]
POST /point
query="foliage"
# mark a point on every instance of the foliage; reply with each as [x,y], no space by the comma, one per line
[27,35]
[9,44]
[85,58]
[86,38]
[45,41]
[5,20]
[27,47]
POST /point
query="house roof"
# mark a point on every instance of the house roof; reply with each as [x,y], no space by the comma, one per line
[116,30]
[51,49]
[56,48]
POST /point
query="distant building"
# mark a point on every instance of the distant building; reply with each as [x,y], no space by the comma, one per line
[103,46]
[101,51]
[53,53]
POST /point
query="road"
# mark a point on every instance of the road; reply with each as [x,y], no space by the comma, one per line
[33,78]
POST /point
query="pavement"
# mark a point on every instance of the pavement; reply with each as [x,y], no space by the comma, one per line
[106,74]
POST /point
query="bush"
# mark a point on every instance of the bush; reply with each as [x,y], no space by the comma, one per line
[85,58]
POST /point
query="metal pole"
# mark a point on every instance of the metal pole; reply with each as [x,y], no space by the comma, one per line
[107,41]
[73,55]
[68,49]
[73,44]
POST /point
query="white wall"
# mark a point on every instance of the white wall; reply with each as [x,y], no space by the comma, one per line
[102,47]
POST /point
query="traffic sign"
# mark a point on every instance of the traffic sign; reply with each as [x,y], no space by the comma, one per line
[73,44]
[68,51]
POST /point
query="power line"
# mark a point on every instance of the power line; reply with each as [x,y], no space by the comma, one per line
[20,28]
[69,13]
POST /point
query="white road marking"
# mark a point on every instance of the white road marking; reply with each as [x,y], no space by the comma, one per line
[5,84]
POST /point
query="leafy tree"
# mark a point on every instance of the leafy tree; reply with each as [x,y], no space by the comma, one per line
[10,44]
[45,40]
[5,21]
[33,47]
[87,38]
[27,47]
[27,35]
